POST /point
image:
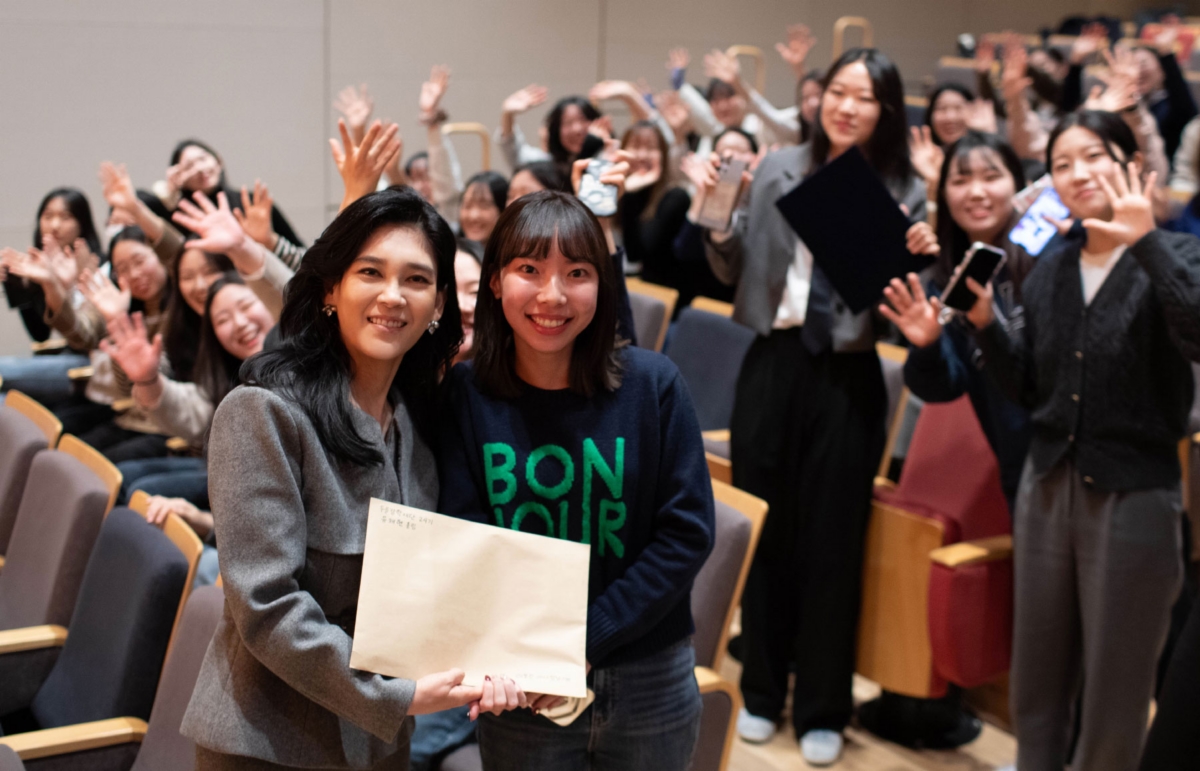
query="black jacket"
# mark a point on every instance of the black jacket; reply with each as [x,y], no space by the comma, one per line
[1109,382]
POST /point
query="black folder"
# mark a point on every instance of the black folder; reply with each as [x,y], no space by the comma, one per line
[854,229]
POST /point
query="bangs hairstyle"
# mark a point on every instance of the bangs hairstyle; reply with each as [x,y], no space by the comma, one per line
[952,88]
[1113,131]
[216,368]
[496,184]
[549,176]
[887,149]
[989,149]
[531,227]
[77,204]
[177,153]
[560,154]
[312,367]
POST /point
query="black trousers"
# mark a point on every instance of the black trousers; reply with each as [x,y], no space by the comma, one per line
[120,444]
[1174,742]
[806,436]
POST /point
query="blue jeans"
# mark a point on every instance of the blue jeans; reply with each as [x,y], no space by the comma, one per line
[173,477]
[436,735]
[646,717]
[43,378]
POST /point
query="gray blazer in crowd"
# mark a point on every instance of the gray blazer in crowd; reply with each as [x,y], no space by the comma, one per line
[276,683]
[756,257]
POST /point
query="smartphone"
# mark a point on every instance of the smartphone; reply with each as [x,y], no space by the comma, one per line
[1033,231]
[597,196]
[718,208]
[982,263]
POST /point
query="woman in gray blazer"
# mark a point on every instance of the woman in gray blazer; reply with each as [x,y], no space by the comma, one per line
[336,415]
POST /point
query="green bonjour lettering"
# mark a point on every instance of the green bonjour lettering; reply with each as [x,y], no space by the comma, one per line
[562,520]
[563,457]
[614,479]
[541,511]
[609,527]
[499,473]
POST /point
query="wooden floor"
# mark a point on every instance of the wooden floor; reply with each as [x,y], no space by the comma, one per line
[866,752]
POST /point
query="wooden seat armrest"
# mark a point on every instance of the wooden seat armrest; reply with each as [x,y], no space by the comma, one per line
[1196,438]
[716,435]
[123,405]
[48,346]
[885,483]
[973,552]
[178,444]
[76,738]
[1,562]
[720,469]
[81,373]
[31,638]
[709,681]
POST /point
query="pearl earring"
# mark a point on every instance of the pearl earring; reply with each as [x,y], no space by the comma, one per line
[433,325]
[329,310]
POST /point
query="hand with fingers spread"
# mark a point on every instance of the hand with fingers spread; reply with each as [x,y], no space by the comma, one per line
[985,56]
[432,92]
[129,346]
[613,89]
[118,188]
[927,157]
[219,230]
[113,303]
[1013,78]
[441,691]
[720,65]
[795,51]
[500,694]
[362,164]
[1091,39]
[66,269]
[1132,207]
[922,240]
[179,175]
[913,314]
[525,99]
[678,59]
[981,116]
[1121,95]
[356,106]
[33,265]
[255,215]
[672,108]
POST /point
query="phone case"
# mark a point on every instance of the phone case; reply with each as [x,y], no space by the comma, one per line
[958,296]
[600,198]
[718,208]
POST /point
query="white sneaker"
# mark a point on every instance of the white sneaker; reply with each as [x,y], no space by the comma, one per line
[821,747]
[755,729]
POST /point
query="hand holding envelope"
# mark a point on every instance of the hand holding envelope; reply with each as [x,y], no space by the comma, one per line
[440,593]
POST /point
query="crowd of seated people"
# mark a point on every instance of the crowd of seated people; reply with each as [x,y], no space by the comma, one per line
[201,315]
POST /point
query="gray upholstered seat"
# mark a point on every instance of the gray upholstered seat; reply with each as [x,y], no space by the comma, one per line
[709,349]
[648,315]
[20,441]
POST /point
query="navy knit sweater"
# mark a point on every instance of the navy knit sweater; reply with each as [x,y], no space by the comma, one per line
[623,471]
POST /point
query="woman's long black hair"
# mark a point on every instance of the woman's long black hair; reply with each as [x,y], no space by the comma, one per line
[962,91]
[76,203]
[182,331]
[217,371]
[887,149]
[952,238]
[312,367]
[591,145]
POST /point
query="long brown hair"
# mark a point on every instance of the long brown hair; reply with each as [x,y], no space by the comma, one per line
[530,227]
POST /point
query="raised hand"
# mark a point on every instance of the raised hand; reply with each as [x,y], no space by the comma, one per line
[981,115]
[356,106]
[1122,67]
[672,108]
[33,265]
[113,303]
[118,188]
[800,41]
[985,55]
[64,266]
[1165,40]
[1091,39]
[722,66]
[1132,206]
[219,230]
[525,99]
[432,92]
[1121,95]
[678,59]
[1013,80]
[602,128]
[362,164]
[913,314]
[129,346]
[921,239]
[255,215]
[926,156]
[179,175]
[613,175]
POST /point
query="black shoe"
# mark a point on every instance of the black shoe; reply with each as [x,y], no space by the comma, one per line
[934,724]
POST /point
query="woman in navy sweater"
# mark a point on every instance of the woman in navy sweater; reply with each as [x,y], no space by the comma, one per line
[560,429]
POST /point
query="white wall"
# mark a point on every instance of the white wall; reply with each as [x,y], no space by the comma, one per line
[83,81]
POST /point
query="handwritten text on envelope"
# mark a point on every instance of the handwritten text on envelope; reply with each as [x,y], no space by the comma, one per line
[441,593]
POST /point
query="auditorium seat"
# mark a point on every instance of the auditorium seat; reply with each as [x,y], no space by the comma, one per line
[158,743]
[109,663]
[652,307]
[937,576]
[25,428]
[9,760]
[61,509]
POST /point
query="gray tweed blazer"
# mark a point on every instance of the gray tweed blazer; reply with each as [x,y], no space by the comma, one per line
[291,523]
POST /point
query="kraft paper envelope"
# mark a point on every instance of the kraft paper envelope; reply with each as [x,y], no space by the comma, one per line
[442,593]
